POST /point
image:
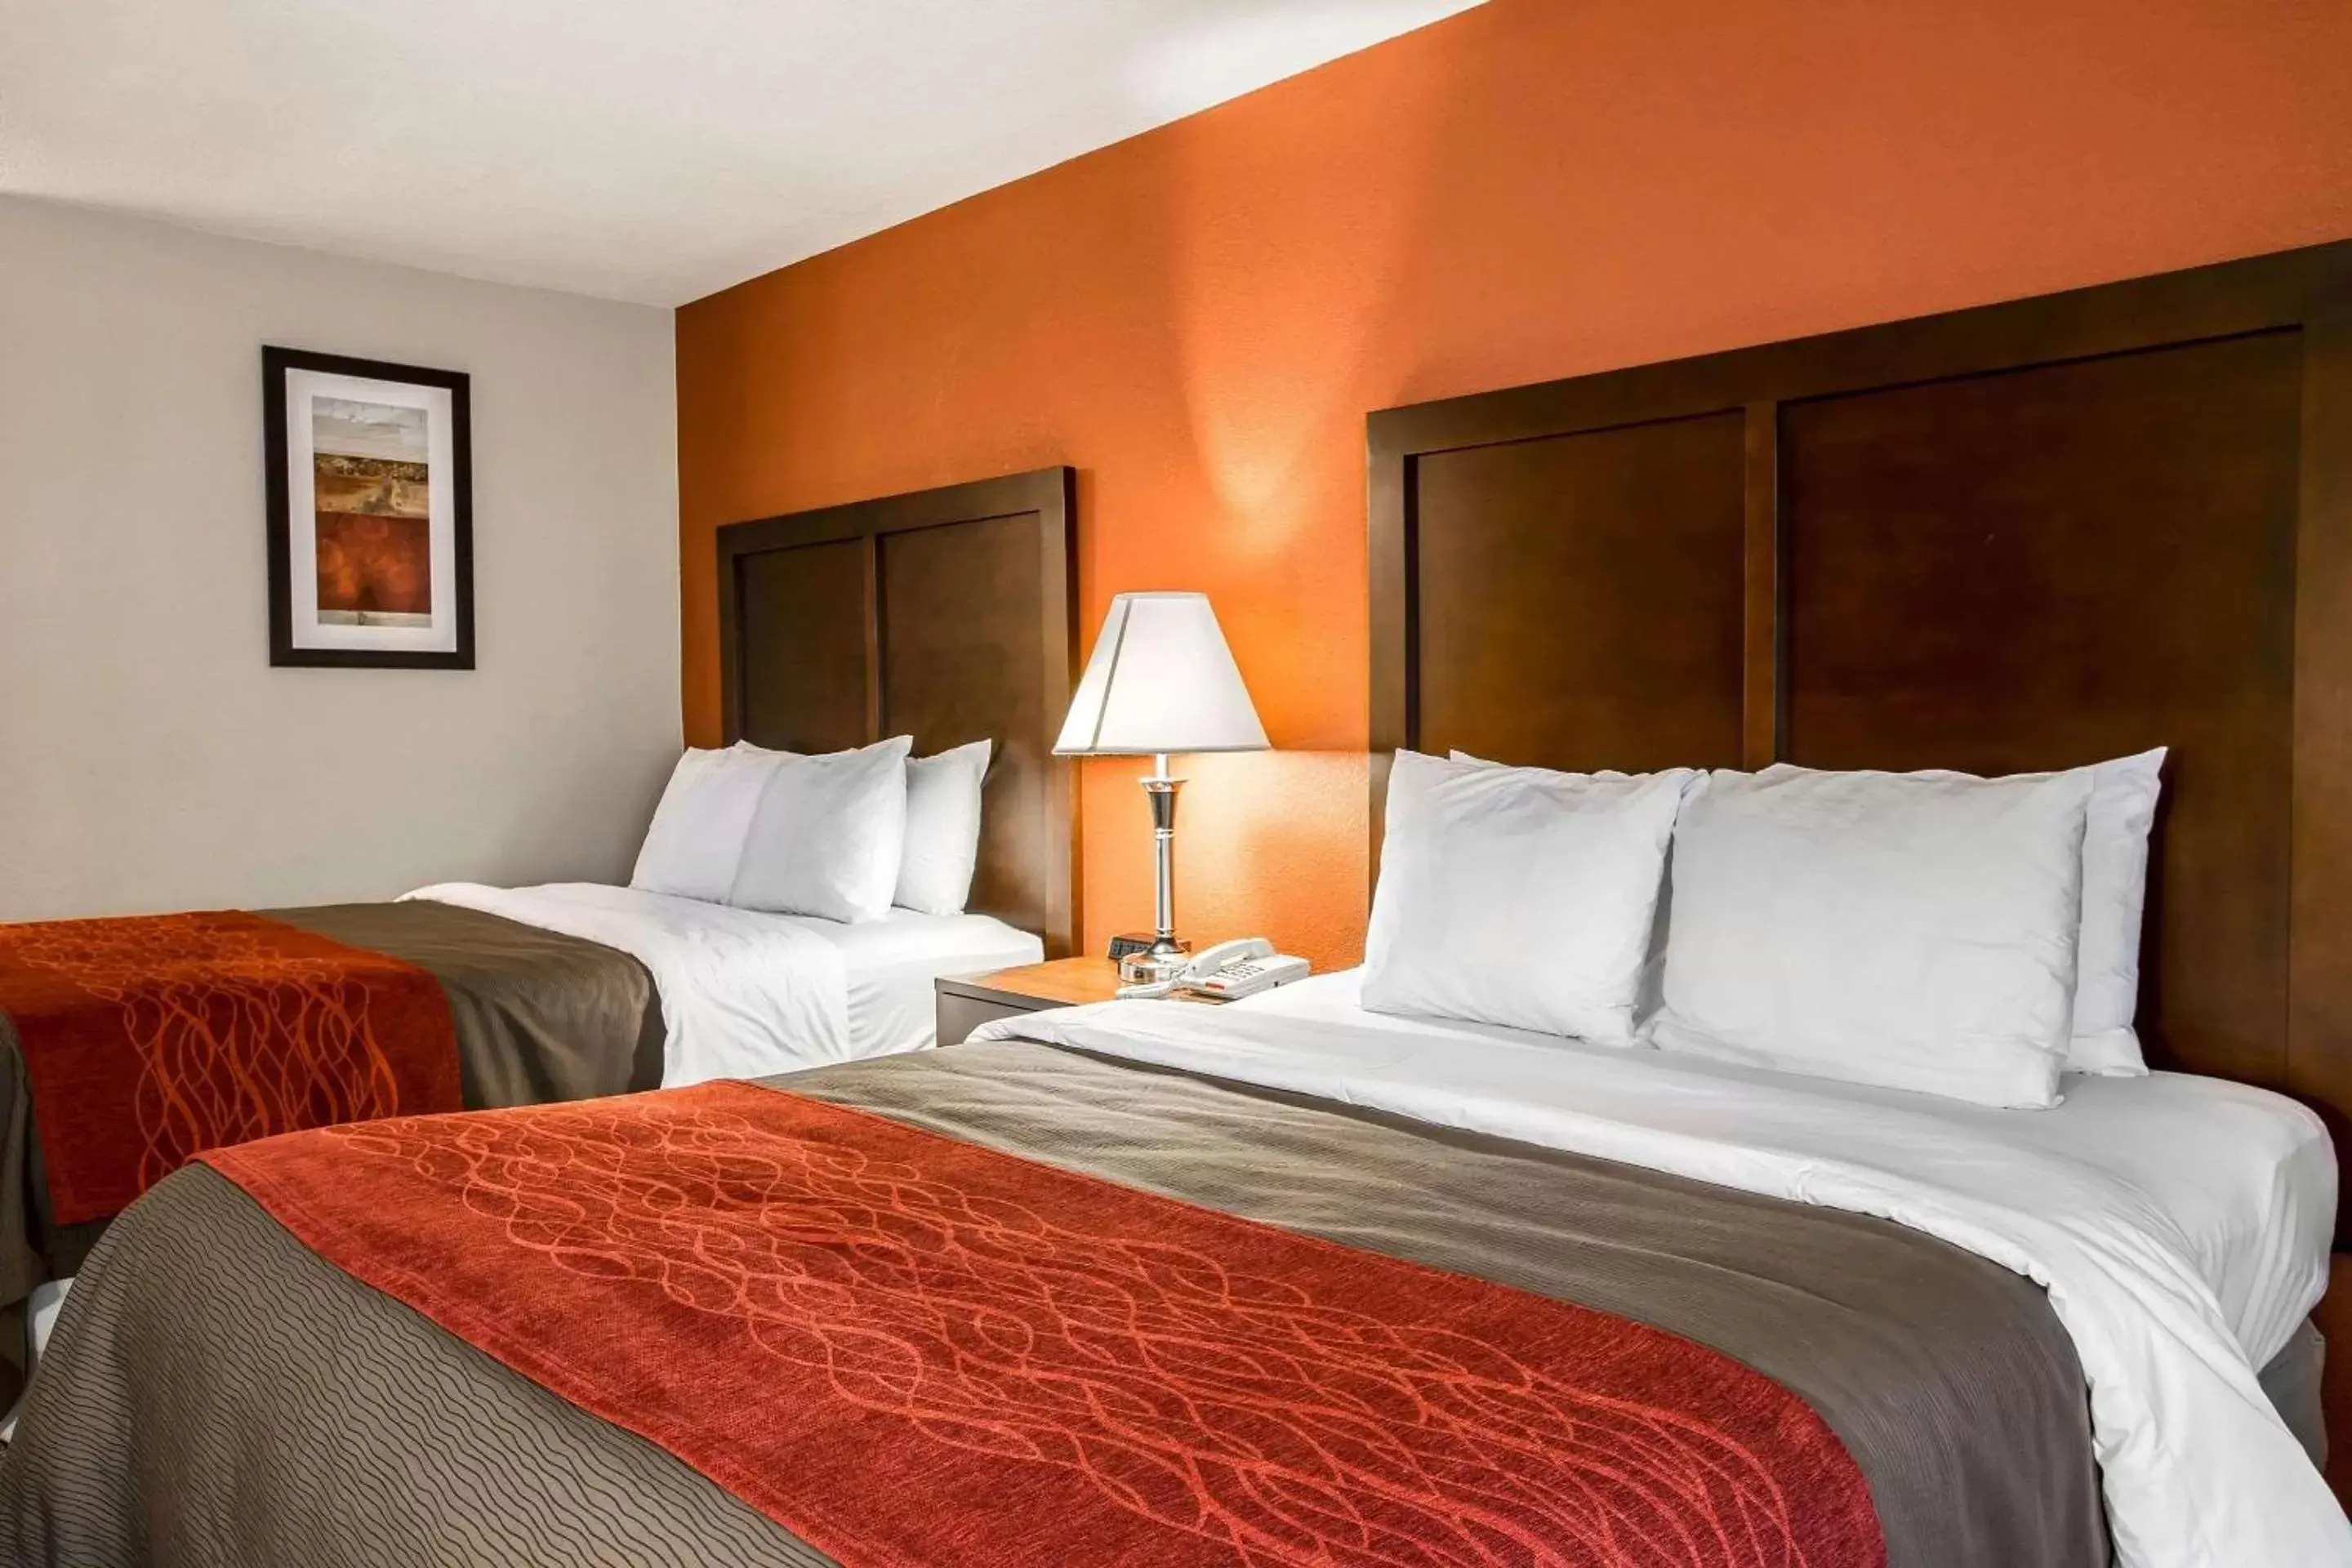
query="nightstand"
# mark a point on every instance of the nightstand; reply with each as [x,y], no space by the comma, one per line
[965,1002]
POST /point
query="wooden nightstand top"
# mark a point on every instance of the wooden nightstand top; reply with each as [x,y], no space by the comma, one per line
[1033,987]
[1056,983]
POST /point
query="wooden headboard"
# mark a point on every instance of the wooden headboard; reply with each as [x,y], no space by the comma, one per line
[948,615]
[2028,536]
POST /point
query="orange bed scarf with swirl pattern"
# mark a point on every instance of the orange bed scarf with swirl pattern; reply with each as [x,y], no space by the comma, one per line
[911,1351]
[148,1039]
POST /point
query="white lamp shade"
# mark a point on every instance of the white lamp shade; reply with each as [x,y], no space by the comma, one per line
[1161,679]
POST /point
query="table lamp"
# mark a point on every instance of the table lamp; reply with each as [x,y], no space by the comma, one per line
[1160,680]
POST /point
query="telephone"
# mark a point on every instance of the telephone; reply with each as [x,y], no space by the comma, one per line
[1230,970]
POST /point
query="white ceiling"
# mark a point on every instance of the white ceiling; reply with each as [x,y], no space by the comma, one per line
[645,149]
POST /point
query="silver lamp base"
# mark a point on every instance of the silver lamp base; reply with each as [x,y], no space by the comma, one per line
[1168,953]
[1162,961]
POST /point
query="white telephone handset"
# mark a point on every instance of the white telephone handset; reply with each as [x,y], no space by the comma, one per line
[1230,970]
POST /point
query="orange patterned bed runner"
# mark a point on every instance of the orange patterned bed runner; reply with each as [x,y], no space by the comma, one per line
[148,1039]
[912,1351]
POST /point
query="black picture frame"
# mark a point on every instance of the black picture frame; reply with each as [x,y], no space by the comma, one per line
[276,364]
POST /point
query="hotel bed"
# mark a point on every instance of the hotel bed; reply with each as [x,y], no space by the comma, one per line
[1069,1293]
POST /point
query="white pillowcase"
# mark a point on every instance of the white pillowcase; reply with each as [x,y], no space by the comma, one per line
[1914,930]
[1653,959]
[942,845]
[1611,775]
[828,834]
[1519,896]
[2115,895]
[696,841]
[943,814]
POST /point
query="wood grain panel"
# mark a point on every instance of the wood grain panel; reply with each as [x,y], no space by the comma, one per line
[947,614]
[1580,599]
[805,666]
[1762,719]
[2319,1026]
[962,619]
[2062,564]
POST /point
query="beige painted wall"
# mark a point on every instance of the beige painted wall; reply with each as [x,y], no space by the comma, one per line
[150,757]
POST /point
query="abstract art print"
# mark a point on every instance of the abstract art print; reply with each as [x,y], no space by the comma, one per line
[371,529]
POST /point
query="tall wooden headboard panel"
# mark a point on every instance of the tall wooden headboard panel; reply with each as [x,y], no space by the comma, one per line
[2027,536]
[949,615]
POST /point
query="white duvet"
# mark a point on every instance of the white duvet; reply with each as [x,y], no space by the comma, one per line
[2198,1469]
[743,993]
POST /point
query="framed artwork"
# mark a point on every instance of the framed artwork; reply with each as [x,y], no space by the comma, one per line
[371,512]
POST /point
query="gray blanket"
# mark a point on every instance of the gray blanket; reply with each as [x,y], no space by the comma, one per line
[539,1017]
[219,1394]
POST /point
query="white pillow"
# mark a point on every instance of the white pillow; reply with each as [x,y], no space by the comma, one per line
[1458,755]
[1915,931]
[1654,958]
[696,838]
[828,834]
[2115,894]
[1519,896]
[942,829]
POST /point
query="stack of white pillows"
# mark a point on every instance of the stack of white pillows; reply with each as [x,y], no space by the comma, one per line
[1935,931]
[842,837]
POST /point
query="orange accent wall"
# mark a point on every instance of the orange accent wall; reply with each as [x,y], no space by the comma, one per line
[1200,318]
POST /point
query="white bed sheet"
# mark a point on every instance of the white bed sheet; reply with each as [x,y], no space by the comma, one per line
[890,964]
[744,992]
[2247,1175]
[2139,1204]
